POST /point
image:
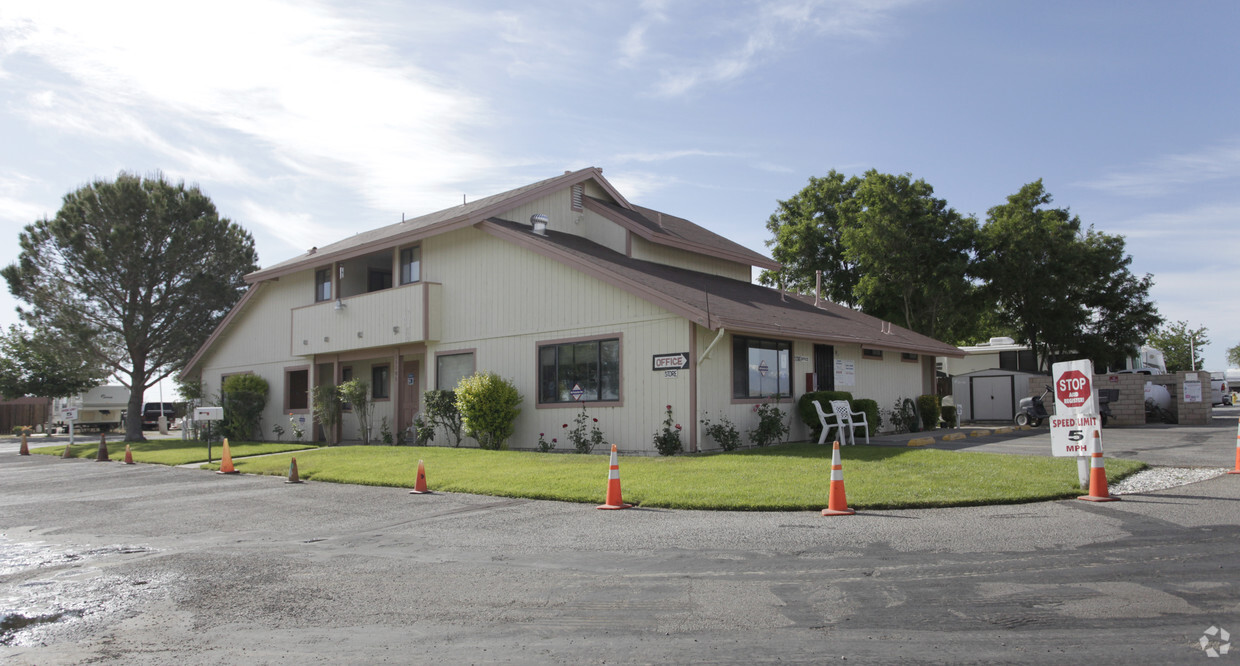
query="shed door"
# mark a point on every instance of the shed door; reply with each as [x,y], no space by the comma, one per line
[992,398]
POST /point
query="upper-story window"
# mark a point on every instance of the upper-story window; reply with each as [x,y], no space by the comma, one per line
[323,285]
[411,264]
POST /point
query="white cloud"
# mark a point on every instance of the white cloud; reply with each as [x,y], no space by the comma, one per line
[667,155]
[1169,173]
[294,230]
[637,185]
[14,205]
[292,84]
[727,45]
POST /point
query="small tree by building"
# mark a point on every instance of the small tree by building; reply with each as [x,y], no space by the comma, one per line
[489,405]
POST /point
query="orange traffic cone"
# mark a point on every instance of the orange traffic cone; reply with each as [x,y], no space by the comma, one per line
[837,503]
[25,450]
[226,466]
[102,455]
[613,484]
[1097,475]
[419,486]
[1234,471]
[128,455]
[292,471]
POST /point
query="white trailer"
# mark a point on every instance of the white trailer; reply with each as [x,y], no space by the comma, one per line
[100,407]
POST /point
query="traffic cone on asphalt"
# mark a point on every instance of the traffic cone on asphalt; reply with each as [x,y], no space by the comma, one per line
[1097,475]
[837,503]
[226,466]
[102,455]
[128,455]
[292,471]
[419,486]
[25,450]
[613,484]
[1234,471]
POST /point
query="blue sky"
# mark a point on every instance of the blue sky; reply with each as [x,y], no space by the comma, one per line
[309,121]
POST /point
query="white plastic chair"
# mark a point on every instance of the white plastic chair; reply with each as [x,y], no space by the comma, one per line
[826,427]
[845,416]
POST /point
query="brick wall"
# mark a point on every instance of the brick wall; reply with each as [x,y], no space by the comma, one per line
[1130,408]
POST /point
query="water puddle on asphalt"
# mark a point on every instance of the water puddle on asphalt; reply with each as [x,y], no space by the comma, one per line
[45,587]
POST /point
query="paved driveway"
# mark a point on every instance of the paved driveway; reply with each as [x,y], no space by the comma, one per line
[151,565]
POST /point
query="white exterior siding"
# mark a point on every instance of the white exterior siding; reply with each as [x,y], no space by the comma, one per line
[670,256]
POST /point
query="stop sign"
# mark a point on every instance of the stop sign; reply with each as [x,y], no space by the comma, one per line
[1073,389]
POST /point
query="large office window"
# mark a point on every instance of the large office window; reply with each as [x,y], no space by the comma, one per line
[761,368]
[323,285]
[594,365]
[411,264]
[450,369]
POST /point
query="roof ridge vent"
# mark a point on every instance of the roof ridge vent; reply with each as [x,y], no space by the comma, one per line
[539,223]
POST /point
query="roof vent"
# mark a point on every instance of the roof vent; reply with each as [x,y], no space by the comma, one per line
[1001,341]
[539,222]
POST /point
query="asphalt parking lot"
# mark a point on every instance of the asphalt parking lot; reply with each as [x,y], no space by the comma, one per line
[106,563]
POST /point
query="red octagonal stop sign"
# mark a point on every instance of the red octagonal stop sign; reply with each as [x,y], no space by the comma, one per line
[1073,389]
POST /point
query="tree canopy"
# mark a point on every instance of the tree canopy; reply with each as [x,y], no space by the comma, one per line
[135,272]
[36,365]
[1067,293]
[1233,356]
[884,244]
[1181,346]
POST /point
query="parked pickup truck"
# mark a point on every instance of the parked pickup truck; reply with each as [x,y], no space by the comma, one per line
[1221,390]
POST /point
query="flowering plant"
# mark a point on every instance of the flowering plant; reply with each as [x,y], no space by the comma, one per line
[771,426]
[543,444]
[583,441]
[298,431]
[667,441]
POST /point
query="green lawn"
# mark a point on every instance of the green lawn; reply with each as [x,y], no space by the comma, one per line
[789,477]
[171,451]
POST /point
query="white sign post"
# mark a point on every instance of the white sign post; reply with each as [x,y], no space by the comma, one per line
[1076,414]
[208,414]
[69,415]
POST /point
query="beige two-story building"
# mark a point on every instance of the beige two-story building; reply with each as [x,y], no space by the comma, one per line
[575,294]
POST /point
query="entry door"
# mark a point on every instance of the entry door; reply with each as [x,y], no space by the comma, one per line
[992,399]
[410,396]
[824,367]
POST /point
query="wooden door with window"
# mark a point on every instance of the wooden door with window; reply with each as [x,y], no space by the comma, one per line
[410,396]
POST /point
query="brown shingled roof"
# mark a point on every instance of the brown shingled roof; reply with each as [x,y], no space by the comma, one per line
[715,301]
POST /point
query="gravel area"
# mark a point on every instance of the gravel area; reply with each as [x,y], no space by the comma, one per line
[1162,478]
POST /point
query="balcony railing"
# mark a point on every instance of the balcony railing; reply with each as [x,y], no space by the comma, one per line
[405,314]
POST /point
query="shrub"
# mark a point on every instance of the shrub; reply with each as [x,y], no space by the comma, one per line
[489,405]
[805,407]
[949,416]
[928,408]
[903,416]
[423,431]
[667,441]
[872,415]
[277,430]
[356,393]
[441,412]
[327,408]
[244,398]
[583,442]
[385,431]
[771,426]
[724,433]
[543,444]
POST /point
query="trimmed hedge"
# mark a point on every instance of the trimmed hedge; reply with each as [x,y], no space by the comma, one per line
[929,410]
[949,416]
[872,415]
[805,407]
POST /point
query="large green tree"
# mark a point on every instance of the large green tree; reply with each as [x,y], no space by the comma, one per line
[914,255]
[36,365]
[1065,291]
[1233,357]
[137,272]
[884,244]
[807,236]
[1181,346]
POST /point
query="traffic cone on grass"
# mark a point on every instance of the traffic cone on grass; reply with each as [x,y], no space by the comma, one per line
[102,455]
[25,450]
[128,455]
[226,465]
[419,486]
[292,471]
[1234,471]
[837,503]
[1097,475]
[613,484]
